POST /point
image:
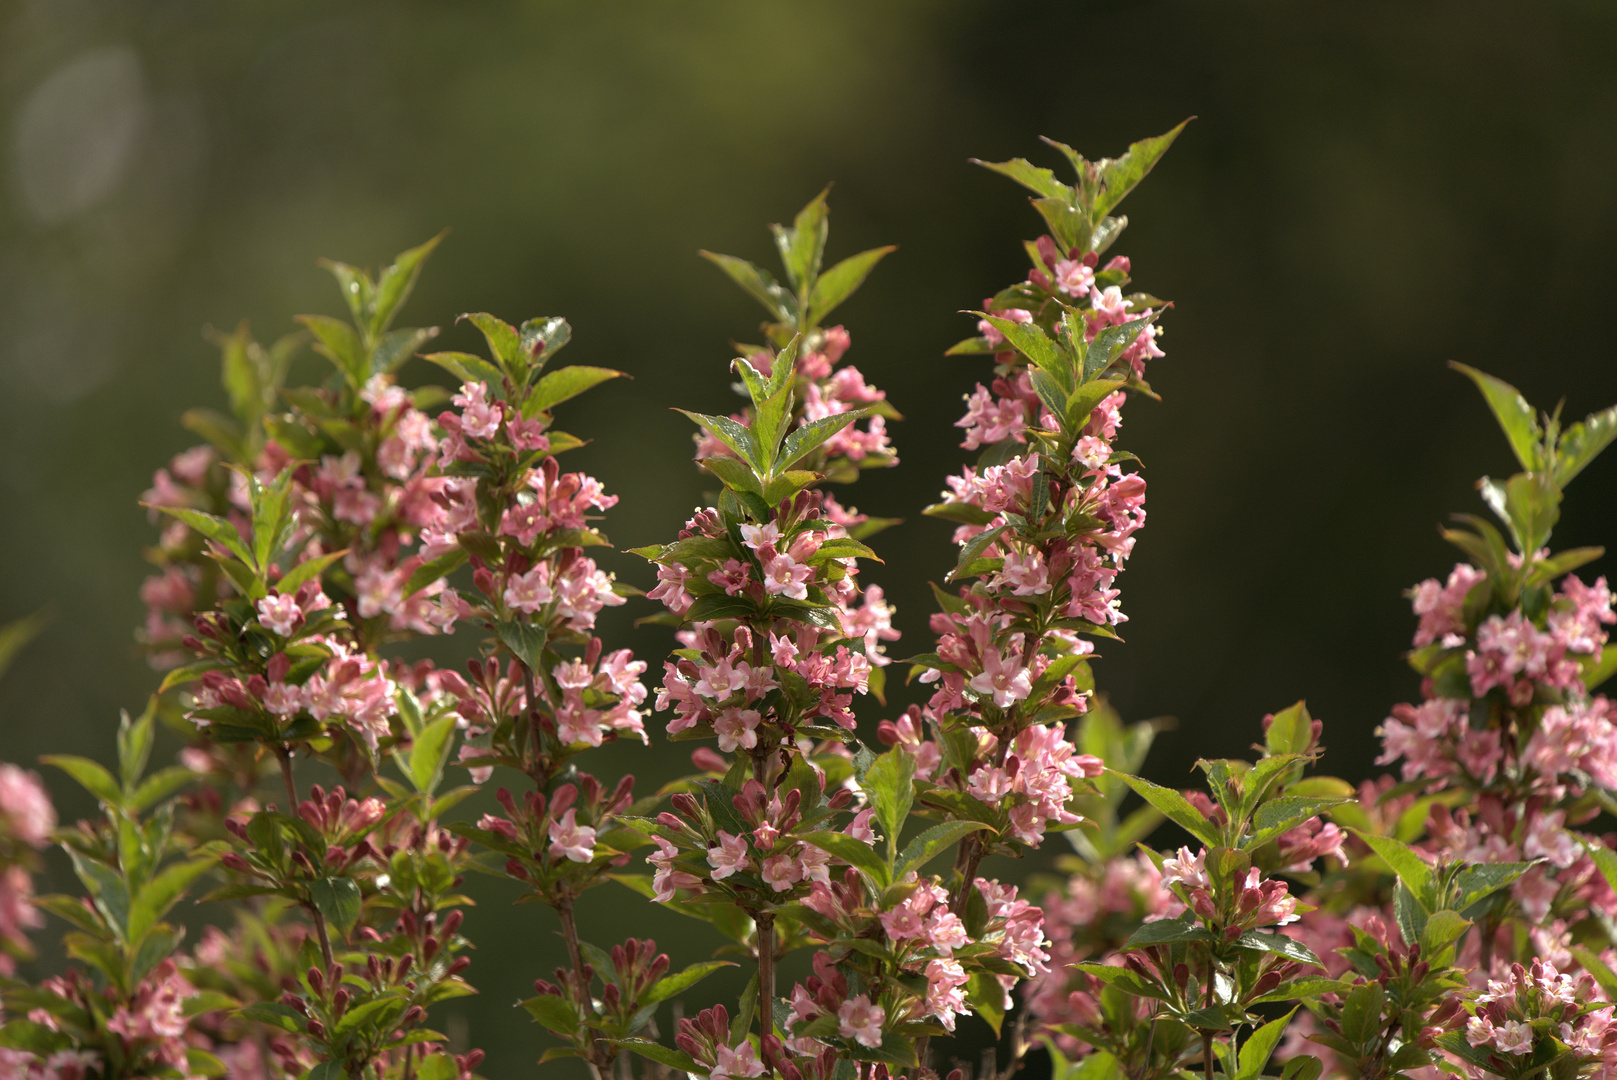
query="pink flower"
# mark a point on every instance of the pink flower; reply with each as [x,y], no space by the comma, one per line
[480,418]
[729,1064]
[945,932]
[728,856]
[1514,1037]
[280,614]
[27,809]
[570,839]
[666,879]
[784,576]
[530,591]
[1004,679]
[1186,869]
[1073,277]
[861,1021]
[737,727]
[781,872]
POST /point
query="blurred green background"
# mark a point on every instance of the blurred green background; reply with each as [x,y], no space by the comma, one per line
[1371,189]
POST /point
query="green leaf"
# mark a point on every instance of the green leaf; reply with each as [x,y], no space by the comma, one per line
[1582,442]
[92,776]
[338,899]
[731,434]
[1280,945]
[734,473]
[1174,806]
[1260,1047]
[890,788]
[218,429]
[1084,399]
[1169,932]
[17,633]
[987,999]
[1122,978]
[657,1052]
[1120,177]
[544,337]
[1031,341]
[1039,180]
[216,529]
[1515,416]
[855,853]
[802,246]
[431,752]
[337,342]
[503,343]
[396,282]
[669,985]
[810,436]
[397,346]
[1442,930]
[526,642]
[433,569]
[468,368]
[564,383]
[1361,1013]
[308,570]
[1597,669]
[838,283]
[1475,883]
[159,894]
[933,842]
[1405,861]
[758,284]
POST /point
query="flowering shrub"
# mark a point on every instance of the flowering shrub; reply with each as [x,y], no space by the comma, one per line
[1452,918]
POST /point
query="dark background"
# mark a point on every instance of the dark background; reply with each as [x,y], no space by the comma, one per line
[1372,189]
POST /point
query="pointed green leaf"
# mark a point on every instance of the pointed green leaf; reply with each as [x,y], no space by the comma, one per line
[338,899]
[802,246]
[669,985]
[839,282]
[468,368]
[1515,416]
[544,337]
[396,282]
[932,843]
[92,776]
[503,343]
[1260,1047]
[1582,442]
[564,383]
[337,342]
[732,434]
[809,437]
[1120,177]
[1174,806]
[759,285]
[216,529]
[1038,180]
[855,853]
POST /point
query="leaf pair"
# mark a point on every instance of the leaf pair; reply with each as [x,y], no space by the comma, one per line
[1078,215]
[811,295]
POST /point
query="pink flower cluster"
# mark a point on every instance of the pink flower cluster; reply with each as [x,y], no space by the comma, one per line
[763,853]
[1258,902]
[1034,784]
[599,699]
[827,391]
[552,826]
[1512,1010]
